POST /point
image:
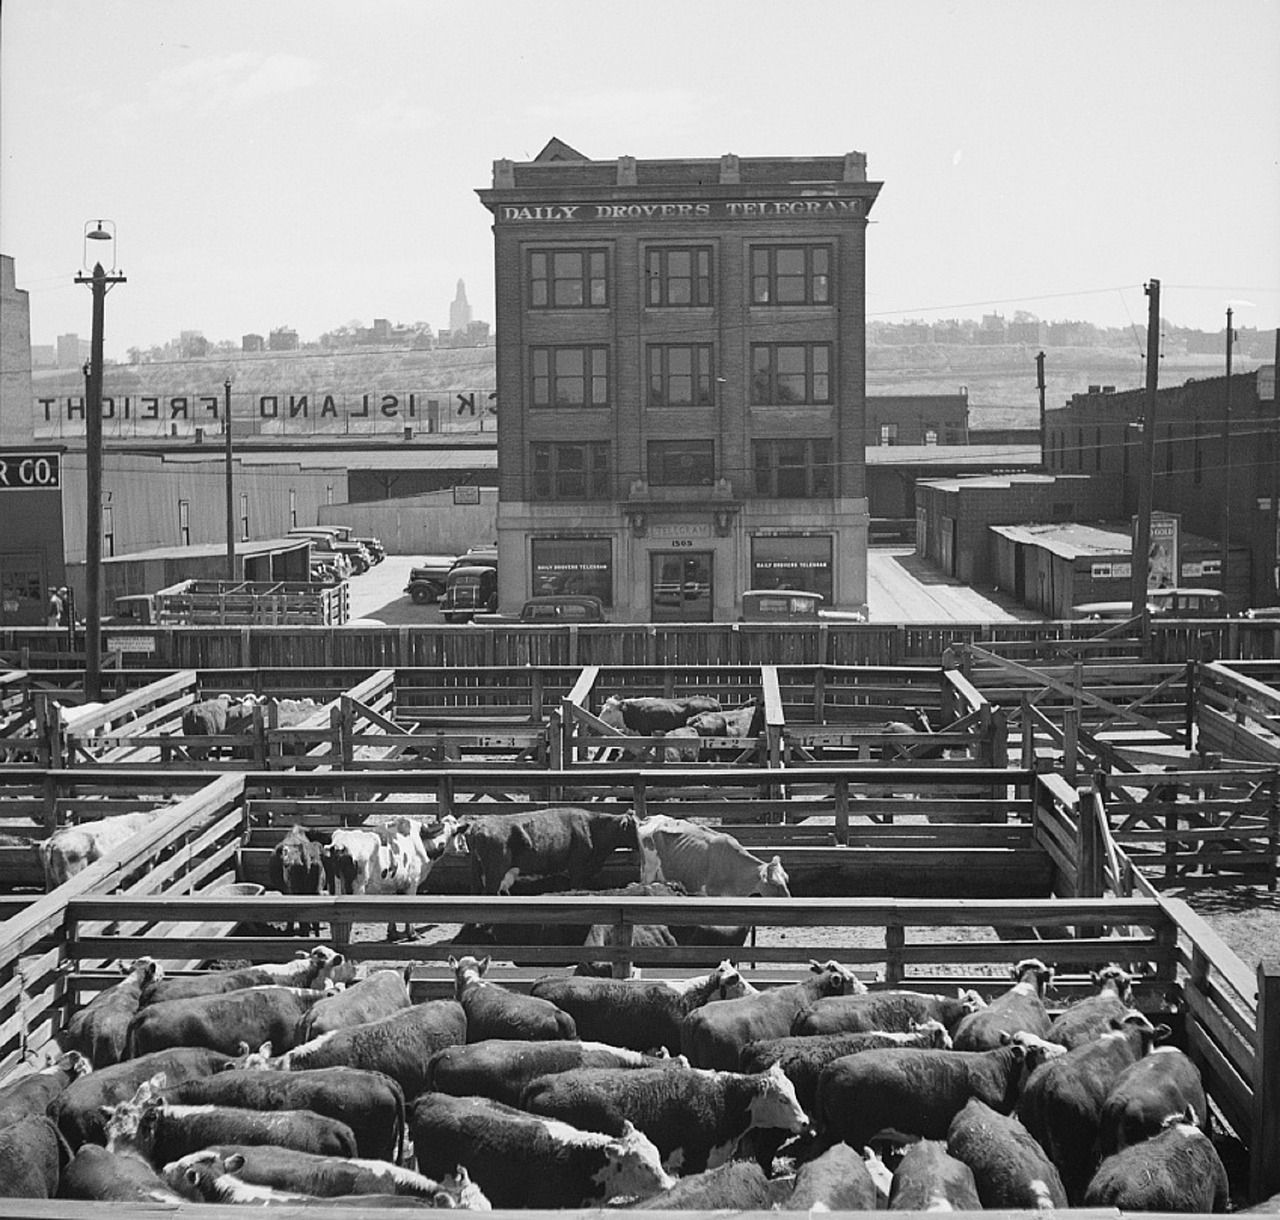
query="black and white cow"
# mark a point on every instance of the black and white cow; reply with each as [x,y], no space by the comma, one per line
[522,1160]
[495,1012]
[1010,1168]
[33,1093]
[1019,1008]
[636,1013]
[930,1179]
[648,715]
[883,1010]
[252,1015]
[32,1153]
[1178,1170]
[308,969]
[100,1030]
[1143,1096]
[1091,1017]
[379,994]
[696,1118]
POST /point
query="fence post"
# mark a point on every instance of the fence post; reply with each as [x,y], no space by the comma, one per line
[1264,1165]
[1273,829]
[1028,736]
[1088,849]
[895,937]
[1070,743]
[1189,724]
[842,811]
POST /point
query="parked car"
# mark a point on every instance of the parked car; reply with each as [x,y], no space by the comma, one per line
[469,588]
[1177,602]
[377,552]
[551,608]
[428,578]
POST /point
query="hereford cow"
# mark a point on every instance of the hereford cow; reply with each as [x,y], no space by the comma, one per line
[705,861]
[325,1177]
[639,1014]
[1010,1168]
[311,969]
[713,1036]
[100,1030]
[494,1012]
[568,841]
[97,1175]
[71,849]
[1162,1083]
[1019,1008]
[930,1179]
[884,1010]
[499,1068]
[523,1160]
[380,994]
[836,1181]
[252,1015]
[32,1094]
[736,1186]
[1091,1017]
[296,867]
[31,1156]
[697,1119]
[224,716]
[647,716]
[1178,1170]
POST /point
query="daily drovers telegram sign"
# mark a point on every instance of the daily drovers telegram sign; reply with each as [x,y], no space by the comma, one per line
[718,209]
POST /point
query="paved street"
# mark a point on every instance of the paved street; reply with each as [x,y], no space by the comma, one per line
[901,589]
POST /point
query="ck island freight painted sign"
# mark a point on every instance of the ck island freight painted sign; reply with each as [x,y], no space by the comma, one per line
[276,414]
[719,209]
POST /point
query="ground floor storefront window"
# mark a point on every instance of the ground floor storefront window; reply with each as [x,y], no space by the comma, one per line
[792,561]
[573,565]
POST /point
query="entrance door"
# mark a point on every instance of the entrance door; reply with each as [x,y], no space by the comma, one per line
[680,587]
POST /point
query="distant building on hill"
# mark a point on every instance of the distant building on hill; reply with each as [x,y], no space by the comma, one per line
[460,311]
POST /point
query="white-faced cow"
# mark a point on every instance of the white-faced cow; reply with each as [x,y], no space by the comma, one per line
[571,842]
[735,1186]
[637,1013]
[311,969]
[523,1160]
[696,1118]
[100,1030]
[1161,1083]
[884,1010]
[1010,1168]
[930,1179]
[1019,1008]
[836,1181]
[705,861]
[495,1012]
[1178,1170]
[33,1093]
[71,849]
[713,1036]
[379,994]
[1091,1017]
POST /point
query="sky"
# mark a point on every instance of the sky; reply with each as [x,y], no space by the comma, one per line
[308,163]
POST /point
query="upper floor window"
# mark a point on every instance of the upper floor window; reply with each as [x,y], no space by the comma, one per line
[682,463]
[568,279]
[679,276]
[184,522]
[888,434]
[793,469]
[569,471]
[570,376]
[108,531]
[680,375]
[791,275]
[783,373]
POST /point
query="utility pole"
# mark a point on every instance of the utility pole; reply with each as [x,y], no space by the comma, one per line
[1040,386]
[1142,542]
[1224,543]
[1275,466]
[98,282]
[231,535]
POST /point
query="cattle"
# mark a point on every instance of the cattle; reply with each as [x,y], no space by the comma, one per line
[892,751]
[911,1091]
[219,717]
[1019,1008]
[884,1011]
[252,1015]
[803,1058]
[379,994]
[209,1182]
[647,716]
[78,1109]
[734,1186]
[1178,1170]
[1091,1017]
[371,1104]
[1061,1102]
[639,1014]
[1010,1168]
[499,1068]
[522,1160]
[308,969]
[399,1046]
[568,841]
[322,1176]
[33,1093]
[108,1177]
[100,1030]
[494,1012]
[1159,1084]
[31,1156]
[930,1179]
[392,859]
[71,849]
[713,1036]
[149,1127]
[696,1118]
[836,1181]
[634,936]
[705,861]
[296,867]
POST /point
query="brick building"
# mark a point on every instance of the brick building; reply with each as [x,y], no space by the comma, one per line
[681,368]
[917,419]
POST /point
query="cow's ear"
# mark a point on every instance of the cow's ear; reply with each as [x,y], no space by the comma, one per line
[451,962]
[192,1176]
[1160,1033]
[234,1163]
[106,1113]
[814,966]
[484,962]
[1006,1038]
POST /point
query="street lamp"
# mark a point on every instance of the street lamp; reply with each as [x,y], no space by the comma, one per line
[231,538]
[99,282]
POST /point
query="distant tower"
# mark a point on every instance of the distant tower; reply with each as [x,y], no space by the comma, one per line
[460,311]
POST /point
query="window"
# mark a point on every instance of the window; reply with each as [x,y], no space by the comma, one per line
[244,517]
[931,434]
[682,463]
[293,508]
[570,376]
[793,469]
[792,562]
[570,471]
[783,373]
[680,376]
[108,531]
[888,434]
[679,276]
[184,522]
[572,565]
[791,275]
[568,279]
[328,493]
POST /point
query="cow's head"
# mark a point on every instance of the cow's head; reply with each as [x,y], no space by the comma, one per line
[443,838]
[1115,979]
[322,962]
[72,1064]
[458,1190]
[1037,1050]
[1148,1034]
[148,971]
[772,880]
[130,1126]
[340,868]
[932,1033]
[728,983]
[611,714]
[1031,970]
[192,1175]
[254,1061]
[775,1103]
[466,971]
[837,979]
[632,1167]
[971,1000]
